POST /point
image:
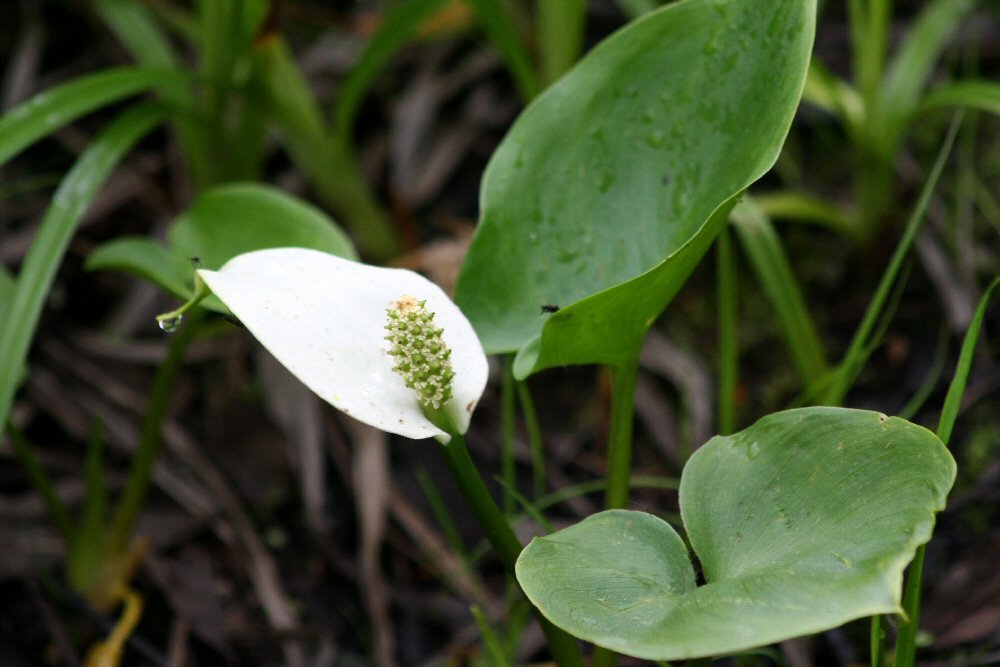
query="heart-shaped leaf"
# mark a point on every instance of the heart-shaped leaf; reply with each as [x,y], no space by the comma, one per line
[802,522]
[223,222]
[597,200]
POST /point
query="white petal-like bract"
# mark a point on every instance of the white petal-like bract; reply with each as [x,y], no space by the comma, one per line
[324,317]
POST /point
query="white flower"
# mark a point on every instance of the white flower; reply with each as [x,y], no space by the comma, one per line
[324,318]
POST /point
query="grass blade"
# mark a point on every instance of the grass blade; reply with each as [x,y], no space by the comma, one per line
[907,641]
[767,257]
[908,72]
[857,352]
[48,111]
[69,203]
[500,29]
[972,94]
[801,207]
[328,162]
[133,24]
[953,400]
[42,484]
[400,24]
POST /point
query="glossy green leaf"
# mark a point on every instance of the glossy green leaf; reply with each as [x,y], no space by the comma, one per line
[802,522]
[223,222]
[48,111]
[597,200]
[145,258]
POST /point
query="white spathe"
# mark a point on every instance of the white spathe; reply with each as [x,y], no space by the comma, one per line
[323,318]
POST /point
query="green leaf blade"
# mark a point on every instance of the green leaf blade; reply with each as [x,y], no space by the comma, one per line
[621,163]
[223,222]
[802,522]
[50,110]
[69,203]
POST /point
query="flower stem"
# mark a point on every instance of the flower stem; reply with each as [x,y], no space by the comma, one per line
[150,440]
[623,379]
[620,434]
[500,535]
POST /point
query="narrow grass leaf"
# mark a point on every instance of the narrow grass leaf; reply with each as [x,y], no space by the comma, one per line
[42,484]
[329,163]
[767,258]
[399,25]
[908,72]
[69,203]
[857,352]
[972,94]
[48,111]
[956,390]
[134,25]
[802,207]
[498,25]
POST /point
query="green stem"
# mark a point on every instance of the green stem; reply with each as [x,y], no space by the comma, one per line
[619,460]
[878,642]
[560,33]
[728,335]
[500,535]
[535,441]
[620,434]
[508,411]
[906,642]
[150,440]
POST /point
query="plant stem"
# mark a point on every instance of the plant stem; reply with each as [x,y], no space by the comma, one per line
[728,335]
[560,33]
[150,440]
[620,434]
[535,441]
[877,642]
[623,379]
[906,642]
[500,535]
[508,409]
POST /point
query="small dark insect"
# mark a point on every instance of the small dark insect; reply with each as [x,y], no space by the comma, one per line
[549,308]
[195,261]
[666,179]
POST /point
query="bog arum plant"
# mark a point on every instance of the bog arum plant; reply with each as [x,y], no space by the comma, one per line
[325,319]
[385,346]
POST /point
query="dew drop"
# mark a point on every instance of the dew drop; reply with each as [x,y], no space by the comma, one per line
[753,450]
[170,324]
